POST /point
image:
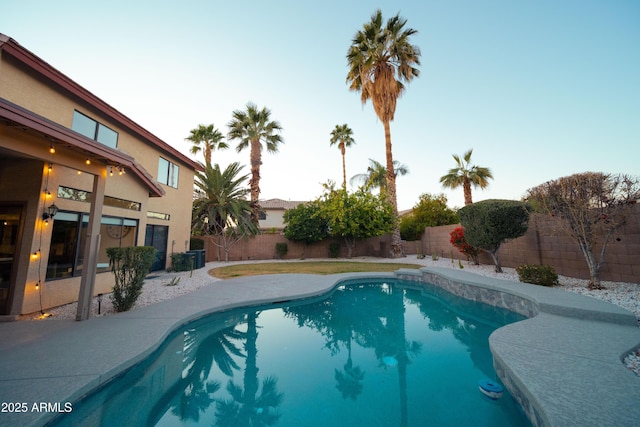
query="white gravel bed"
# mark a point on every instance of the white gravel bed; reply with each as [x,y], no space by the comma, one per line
[156,289]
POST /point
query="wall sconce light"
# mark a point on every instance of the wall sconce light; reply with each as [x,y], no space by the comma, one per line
[88,161]
[121,170]
[50,167]
[52,149]
[110,170]
[50,212]
[37,285]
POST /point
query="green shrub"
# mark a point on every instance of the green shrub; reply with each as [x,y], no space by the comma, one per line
[334,250]
[542,275]
[281,249]
[196,244]
[129,265]
[181,261]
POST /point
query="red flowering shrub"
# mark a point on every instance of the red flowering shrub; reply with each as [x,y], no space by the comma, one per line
[457,240]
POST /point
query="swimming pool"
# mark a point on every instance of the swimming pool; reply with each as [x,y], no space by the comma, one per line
[372,352]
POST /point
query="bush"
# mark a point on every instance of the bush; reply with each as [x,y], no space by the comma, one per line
[490,223]
[196,244]
[281,249]
[457,240]
[181,261]
[334,250]
[542,275]
[129,265]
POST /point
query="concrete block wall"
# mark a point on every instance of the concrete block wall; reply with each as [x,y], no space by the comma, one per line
[542,244]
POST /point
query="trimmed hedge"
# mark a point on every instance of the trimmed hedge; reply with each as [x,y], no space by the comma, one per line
[542,275]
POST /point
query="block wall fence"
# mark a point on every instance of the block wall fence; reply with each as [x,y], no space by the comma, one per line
[542,244]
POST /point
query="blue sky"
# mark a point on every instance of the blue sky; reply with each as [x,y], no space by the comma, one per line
[539,89]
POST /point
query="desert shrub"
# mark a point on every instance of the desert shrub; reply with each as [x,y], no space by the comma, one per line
[542,275]
[181,261]
[281,249]
[457,240]
[129,265]
[334,250]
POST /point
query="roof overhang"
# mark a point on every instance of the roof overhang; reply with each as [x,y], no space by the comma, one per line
[52,132]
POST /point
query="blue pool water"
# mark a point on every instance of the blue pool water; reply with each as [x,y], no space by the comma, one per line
[369,354]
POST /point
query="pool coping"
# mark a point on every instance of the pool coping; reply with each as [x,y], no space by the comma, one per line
[563,329]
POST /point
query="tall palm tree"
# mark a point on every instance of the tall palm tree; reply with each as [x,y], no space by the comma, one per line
[376,175]
[253,128]
[466,174]
[343,136]
[380,60]
[206,138]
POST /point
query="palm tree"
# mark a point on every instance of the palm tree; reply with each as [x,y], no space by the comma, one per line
[380,61]
[466,175]
[220,204]
[343,136]
[207,139]
[376,175]
[252,128]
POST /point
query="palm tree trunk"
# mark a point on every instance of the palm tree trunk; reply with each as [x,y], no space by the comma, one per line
[466,187]
[254,184]
[207,153]
[344,169]
[396,244]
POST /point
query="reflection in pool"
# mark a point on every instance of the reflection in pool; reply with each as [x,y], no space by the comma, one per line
[372,353]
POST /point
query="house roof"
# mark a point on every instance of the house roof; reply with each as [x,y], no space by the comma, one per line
[62,136]
[17,51]
[279,204]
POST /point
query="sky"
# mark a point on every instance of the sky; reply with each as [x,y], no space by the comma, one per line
[538,90]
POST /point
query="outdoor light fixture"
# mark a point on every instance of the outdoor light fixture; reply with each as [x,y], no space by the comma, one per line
[88,161]
[121,170]
[52,149]
[110,170]
[50,166]
[51,212]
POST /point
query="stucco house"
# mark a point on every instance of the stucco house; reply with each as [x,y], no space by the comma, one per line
[76,177]
[272,213]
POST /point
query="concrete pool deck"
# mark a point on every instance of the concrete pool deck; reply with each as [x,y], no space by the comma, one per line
[565,363]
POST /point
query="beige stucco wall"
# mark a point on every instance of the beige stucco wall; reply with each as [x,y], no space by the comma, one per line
[23,87]
[275,219]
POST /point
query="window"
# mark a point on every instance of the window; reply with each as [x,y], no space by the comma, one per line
[68,239]
[94,130]
[86,196]
[158,215]
[167,173]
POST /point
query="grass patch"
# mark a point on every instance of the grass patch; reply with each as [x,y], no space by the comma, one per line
[310,267]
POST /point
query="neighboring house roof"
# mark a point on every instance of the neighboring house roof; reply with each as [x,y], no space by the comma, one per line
[17,51]
[278,204]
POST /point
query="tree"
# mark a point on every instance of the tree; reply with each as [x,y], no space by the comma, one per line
[430,211]
[356,216]
[490,223]
[343,136]
[206,138]
[466,175]
[376,176]
[220,207]
[306,223]
[381,60]
[590,207]
[253,128]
